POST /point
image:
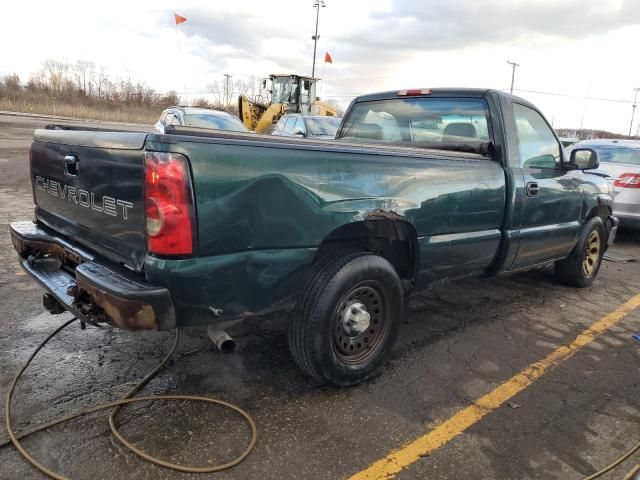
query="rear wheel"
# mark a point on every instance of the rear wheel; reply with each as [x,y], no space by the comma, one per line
[347,318]
[581,267]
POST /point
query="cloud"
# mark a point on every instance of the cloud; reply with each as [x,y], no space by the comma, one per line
[241,31]
[432,25]
[380,38]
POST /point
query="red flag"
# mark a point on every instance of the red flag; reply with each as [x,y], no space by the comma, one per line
[179,19]
[327,58]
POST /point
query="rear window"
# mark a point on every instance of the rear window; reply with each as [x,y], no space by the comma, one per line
[617,154]
[456,124]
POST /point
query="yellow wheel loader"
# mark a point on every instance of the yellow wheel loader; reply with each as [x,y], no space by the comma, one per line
[289,94]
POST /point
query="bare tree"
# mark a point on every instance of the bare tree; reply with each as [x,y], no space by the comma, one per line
[216,90]
[251,87]
[101,81]
[54,74]
[82,74]
[335,104]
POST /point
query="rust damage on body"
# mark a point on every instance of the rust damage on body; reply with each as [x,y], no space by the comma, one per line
[101,307]
[379,214]
[44,249]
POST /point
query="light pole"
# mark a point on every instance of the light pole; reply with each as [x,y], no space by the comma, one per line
[513,73]
[316,4]
[633,108]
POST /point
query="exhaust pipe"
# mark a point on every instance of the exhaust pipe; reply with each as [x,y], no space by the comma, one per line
[221,339]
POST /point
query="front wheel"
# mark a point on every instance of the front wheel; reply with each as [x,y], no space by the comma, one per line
[347,318]
[581,267]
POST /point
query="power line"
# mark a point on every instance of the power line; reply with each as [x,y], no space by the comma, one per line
[555,94]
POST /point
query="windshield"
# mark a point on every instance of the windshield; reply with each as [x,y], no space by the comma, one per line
[617,154]
[216,122]
[323,126]
[456,124]
[284,90]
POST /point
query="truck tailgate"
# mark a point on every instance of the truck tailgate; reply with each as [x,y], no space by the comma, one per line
[88,185]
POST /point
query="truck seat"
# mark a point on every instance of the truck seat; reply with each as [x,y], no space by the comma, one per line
[456,132]
[371,131]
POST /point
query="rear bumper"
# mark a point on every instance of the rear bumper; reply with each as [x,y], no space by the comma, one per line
[626,207]
[612,227]
[627,219]
[93,289]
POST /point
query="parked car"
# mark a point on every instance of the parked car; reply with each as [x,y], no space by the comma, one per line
[567,141]
[620,161]
[307,126]
[422,187]
[199,118]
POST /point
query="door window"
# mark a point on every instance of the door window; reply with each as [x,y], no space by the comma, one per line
[538,146]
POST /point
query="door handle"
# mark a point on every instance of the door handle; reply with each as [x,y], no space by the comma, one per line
[533,189]
[71,165]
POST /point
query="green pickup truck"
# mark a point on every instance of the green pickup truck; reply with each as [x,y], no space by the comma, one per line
[420,188]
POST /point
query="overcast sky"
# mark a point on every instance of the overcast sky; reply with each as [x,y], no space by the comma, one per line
[574,48]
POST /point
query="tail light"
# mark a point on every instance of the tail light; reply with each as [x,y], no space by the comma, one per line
[168,204]
[628,180]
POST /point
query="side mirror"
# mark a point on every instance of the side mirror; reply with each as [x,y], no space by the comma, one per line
[584,159]
[306,84]
[264,83]
[298,132]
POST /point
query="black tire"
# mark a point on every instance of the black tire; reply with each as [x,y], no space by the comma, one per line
[343,289]
[581,267]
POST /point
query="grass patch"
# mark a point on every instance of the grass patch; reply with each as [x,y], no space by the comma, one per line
[128,114]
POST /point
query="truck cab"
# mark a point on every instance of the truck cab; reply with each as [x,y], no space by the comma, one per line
[546,195]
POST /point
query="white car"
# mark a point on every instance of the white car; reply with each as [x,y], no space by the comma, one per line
[620,161]
[199,118]
[307,126]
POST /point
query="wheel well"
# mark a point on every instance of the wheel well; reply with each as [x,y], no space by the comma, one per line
[601,211]
[393,239]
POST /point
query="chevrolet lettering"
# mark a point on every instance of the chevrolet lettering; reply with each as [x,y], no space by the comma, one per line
[105,204]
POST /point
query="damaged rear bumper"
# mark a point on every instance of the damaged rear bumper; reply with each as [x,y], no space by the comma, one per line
[93,289]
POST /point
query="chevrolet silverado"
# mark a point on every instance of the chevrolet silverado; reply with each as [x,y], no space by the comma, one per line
[420,188]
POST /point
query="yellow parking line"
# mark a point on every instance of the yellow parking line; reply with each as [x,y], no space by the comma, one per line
[397,460]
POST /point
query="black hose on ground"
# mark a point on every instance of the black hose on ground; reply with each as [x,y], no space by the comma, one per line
[115,406]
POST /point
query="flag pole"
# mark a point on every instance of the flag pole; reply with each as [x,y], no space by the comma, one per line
[179,54]
[177,21]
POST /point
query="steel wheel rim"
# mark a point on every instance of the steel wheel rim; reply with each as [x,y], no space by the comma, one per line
[350,346]
[591,254]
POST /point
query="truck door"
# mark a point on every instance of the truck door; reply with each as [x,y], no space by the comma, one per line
[550,197]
